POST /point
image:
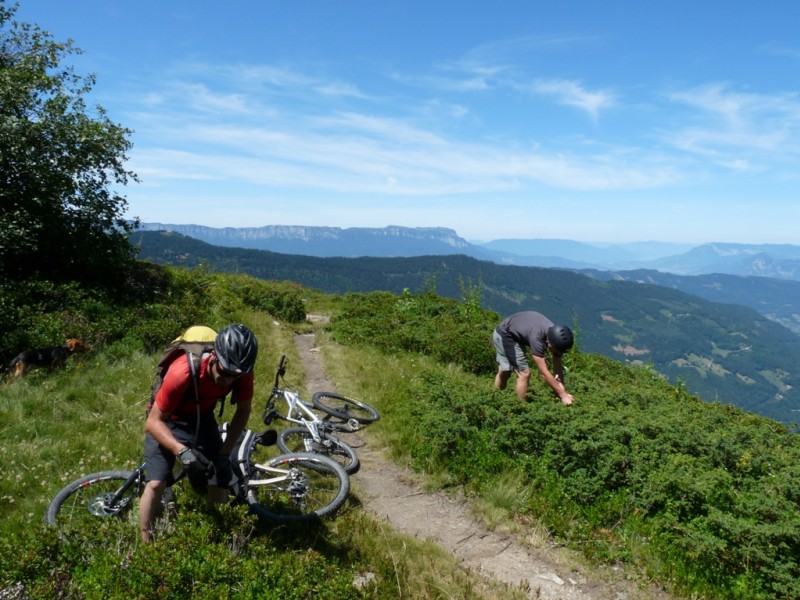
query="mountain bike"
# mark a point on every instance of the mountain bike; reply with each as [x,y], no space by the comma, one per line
[316,434]
[289,487]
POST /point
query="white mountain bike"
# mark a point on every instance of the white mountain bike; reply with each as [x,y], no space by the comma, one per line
[315,433]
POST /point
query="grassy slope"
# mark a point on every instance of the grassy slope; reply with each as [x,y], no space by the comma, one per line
[637,471]
[89,417]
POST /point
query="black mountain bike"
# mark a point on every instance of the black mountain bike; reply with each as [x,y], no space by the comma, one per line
[289,487]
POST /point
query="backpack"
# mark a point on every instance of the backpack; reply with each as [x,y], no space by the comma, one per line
[194,342]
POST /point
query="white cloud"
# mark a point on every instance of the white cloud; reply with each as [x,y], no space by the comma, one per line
[738,128]
[572,93]
[359,153]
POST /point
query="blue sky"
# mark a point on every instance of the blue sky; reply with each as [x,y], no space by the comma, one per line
[595,121]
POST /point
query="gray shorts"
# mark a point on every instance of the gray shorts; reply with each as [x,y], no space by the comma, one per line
[509,354]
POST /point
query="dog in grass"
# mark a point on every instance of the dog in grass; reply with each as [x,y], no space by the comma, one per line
[47,358]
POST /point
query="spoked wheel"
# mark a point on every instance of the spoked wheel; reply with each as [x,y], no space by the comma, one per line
[344,408]
[299,439]
[297,487]
[85,505]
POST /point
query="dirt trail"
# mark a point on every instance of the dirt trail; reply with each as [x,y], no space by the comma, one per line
[389,493]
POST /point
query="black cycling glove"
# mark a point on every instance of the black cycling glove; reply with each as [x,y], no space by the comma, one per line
[193,460]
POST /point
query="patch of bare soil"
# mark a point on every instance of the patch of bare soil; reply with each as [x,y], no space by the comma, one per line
[390,493]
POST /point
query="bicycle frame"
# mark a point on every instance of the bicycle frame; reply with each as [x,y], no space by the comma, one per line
[281,475]
[104,506]
[298,412]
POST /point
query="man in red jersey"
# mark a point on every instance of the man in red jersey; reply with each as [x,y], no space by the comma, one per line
[181,424]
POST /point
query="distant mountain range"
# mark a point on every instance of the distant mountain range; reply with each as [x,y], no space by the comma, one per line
[763,277]
[333,241]
[724,352]
[781,261]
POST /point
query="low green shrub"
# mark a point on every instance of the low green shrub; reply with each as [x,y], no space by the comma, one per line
[450,331]
[637,470]
[163,302]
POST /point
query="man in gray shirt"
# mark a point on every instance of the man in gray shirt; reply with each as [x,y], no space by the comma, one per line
[537,332]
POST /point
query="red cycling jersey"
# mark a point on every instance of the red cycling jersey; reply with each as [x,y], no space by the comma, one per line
[177,388]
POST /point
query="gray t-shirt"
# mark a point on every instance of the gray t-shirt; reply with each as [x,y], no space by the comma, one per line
[527,328]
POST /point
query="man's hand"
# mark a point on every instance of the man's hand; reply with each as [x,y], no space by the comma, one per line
[224,469]
[566,399]
[193,460]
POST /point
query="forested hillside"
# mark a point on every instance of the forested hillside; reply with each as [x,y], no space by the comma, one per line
[776,299]
[725,353]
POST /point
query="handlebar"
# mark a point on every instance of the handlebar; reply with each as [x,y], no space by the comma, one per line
[270,414]
[281,370]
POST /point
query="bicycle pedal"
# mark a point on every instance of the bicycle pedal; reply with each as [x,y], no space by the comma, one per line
[270,416]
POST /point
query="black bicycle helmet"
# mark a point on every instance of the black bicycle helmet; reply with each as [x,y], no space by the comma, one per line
[560,337]
[236,349]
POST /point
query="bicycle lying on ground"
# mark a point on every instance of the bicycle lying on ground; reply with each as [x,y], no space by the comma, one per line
[315,434]
[285,488]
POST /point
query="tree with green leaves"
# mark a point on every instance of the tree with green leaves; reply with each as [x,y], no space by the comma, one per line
[60,217]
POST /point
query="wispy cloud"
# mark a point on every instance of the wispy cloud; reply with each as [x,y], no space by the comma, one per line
[363,153]
[492,65]
[245,132]
[572,93]
[519,50]
[452,82]
[264,79]
[753,126]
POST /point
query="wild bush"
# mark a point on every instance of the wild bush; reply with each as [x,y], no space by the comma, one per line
[636,470]
[281,300]
[448,330]
[162,303]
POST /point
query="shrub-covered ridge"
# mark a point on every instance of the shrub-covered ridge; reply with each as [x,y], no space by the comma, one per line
[637,470]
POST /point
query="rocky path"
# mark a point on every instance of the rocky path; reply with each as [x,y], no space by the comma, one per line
[389,493]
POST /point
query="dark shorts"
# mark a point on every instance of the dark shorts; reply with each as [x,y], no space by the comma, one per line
[161,462]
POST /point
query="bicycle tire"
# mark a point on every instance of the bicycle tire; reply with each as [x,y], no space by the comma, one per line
[299,439]
[79,506]
[303,487]
[344,408]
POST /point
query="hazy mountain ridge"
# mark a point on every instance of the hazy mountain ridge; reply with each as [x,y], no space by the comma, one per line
[331,241]
[723,352]
[781,261]
[581,253]
[763,277]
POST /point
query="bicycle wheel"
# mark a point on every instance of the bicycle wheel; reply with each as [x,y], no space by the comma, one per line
[299,439]
[344,408]
[297,487]
[84,505]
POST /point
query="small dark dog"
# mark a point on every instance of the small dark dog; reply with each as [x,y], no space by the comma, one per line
[49,358]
